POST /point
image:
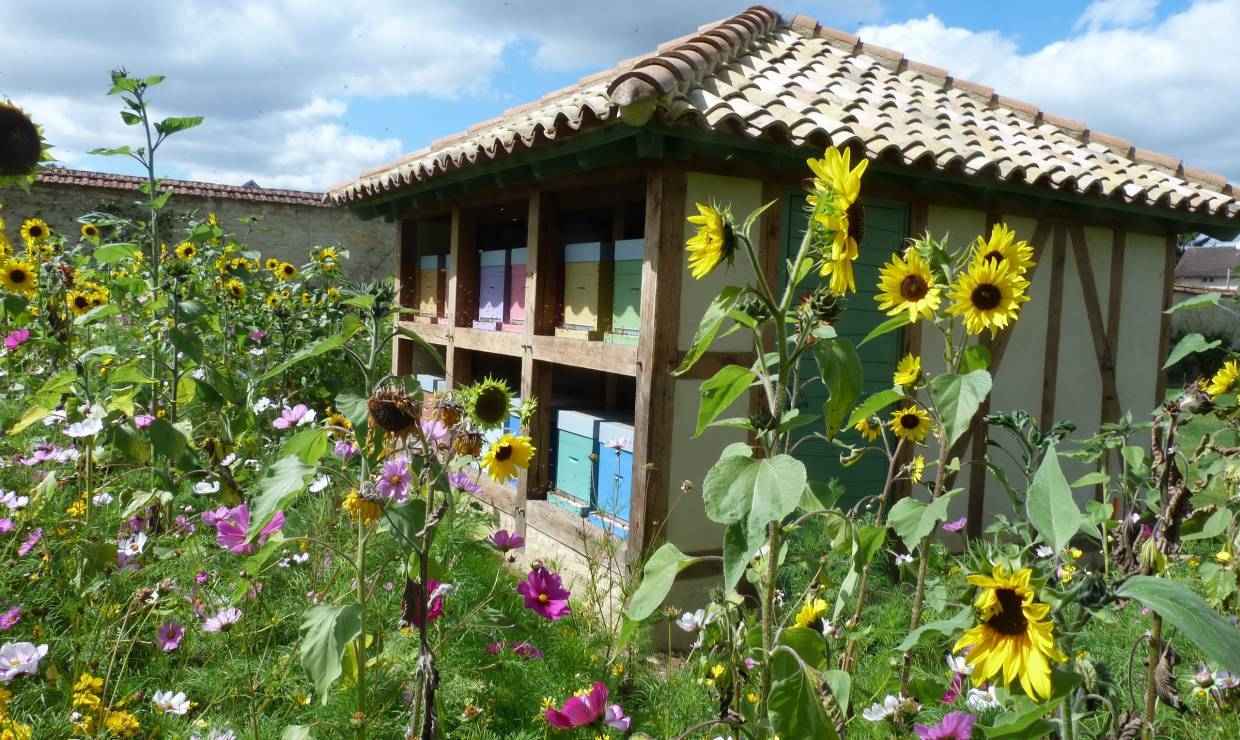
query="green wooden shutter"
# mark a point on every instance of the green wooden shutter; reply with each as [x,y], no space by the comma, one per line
[886,227]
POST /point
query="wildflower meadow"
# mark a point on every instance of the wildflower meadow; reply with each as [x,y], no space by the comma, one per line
[222,515]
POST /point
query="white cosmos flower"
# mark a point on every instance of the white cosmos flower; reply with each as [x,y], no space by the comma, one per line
[11,501]
[258,351]
[198,373]
[17,658]
[958,664]
[262,404]
[171,703]
[980,700]
[206,487]
[102,499]
[85,428]
[318,484]
[885,710]
[133,545]
[56,416]
[69,454]
[229,459]
[903,559]
[301,557]
[692,621]
[1043,551]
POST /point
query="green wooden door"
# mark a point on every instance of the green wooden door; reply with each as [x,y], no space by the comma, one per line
[886,227]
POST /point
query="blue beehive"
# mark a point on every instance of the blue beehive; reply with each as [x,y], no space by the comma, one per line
[614,476]
[574,442]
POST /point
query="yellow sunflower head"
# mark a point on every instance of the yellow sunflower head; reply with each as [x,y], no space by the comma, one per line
[328,259]
[835,176]
[90,232]
[868,429]
[505,457]
[273,300]
[19,277]
[271,263]
[1225,379]
[988,296]
[916,468]
[1014,636]
[35,231]
[1003,247]
[333,294]
[813,611]
[911,423]
[906,284]
[286,271]
[839,274]
[79,302]
[307,299]
[185,251]
[235,289]
[714,242]
[908,371]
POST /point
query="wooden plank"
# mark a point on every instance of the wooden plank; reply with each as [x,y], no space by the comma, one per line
[606,357]
[459,366]
[406,276]
[1115,295]
[1054,317]
[656,352]
[433,333]
[481,340]
[1097,327]
[1164,328]
[535,376]
[462,292]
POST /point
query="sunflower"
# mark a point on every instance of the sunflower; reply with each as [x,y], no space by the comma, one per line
[868,430]
[505,457]
[286,271]
[359,508]
[273,300]
[908,371]
[713,242]
[235,289]
[812,612]
[1014,637]
[307,299]
[90,232]
[1003,247]
[35,231]
[21,142]
[186,250]
[333,295]
[19,277]
[840,273]
[489,403]
[916,468]
[1224,379]
[834,174]
[328,259]
[271,263]
[906,284]
[988,296]
[6,249]
[911,423]
[79,302]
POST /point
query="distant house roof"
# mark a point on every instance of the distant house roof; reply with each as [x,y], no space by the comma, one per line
[249,191]
[761,76]
[1199,262]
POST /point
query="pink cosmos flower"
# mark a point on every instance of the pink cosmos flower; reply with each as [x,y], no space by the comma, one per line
[345,449]
[297,416]
[10,617]
[142,421]
[202,577]
[464,482]
[957,525]
[16,338]
[503,540]
[435,433]
[17,658]
[955,726]
[233,526]
[496,648]
[43,452]
[394,479]
[6,525]
[417,611]
[545,594]
[587,708]
[169,636]
[30,542]
[526,650]
[223,620]
[257,335]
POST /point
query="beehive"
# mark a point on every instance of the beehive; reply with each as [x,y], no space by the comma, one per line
[514,318]
[626,294]
[574,439]
[430,287]
[492,288]
[587,290]
[614,476]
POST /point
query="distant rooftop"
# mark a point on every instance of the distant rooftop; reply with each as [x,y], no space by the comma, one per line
[248,192]
[1217,261]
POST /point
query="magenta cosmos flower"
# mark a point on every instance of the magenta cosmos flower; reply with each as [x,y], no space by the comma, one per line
[545,594]
[957,525]
[233,526]
[16,338]
[30,542]
[394,479]
[587,708]
[464,482]
[294,417]
[169,636]
[10,617]
[417,611]
[955,726]
[503,540]
[142,421]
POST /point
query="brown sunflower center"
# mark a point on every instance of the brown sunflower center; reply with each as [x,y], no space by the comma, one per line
[910,421]
[18,276]
[36,232]
[856,221]
[913,288]
[993,254]
[19,141]
[491,405]
[80,301]
[503,452]
[986,297]
[1010,619]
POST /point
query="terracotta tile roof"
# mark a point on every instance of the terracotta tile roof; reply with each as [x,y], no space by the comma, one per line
[1201,289]
[1216,262]
[798,82]
[108,181]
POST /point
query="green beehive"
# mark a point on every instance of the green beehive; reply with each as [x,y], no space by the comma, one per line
[627,292]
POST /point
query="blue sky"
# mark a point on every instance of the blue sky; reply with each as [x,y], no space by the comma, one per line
[305,93]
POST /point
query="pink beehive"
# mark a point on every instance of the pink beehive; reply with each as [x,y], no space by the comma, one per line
[514,319]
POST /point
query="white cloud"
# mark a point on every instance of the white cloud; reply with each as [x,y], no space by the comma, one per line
[1168,86]
[1103,13]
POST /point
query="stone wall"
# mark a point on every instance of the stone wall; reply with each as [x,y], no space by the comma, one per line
[286,231]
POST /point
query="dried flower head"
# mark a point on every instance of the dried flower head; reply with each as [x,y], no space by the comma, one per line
[393,409]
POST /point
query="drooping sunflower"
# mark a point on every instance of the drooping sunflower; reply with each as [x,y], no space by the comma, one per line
[908,371]
[19,277]
[79,302]
[911,423]
[813,611]
[841,280]
[906,284]
[1015,637]
[21,142]
[235,289]
[185,251]
[916,468]
[503,459]
[868,430]
[835,175]
[1003,247]
[713,243]
[489,403]
[988,296]
[1225,379]
[35,231]
[90,232]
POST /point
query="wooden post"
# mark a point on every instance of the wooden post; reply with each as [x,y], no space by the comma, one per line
[406,265]
[656,353]
[535,376]
[1097,327]
[1164,328]
[1054,315]
[463,268]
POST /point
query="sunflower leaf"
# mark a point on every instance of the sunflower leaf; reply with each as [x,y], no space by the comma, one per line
[795,709]
[1052,509]
[709,327]
[957,398]
[841,372]
[657,579]
[874,404]
[1188,613]
[887,326]
[720,392]
[326,631]
[913,520]
[1190,344]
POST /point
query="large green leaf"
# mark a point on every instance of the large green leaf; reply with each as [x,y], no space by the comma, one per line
[326,630]
[322,347]
[842,375]
[657,579]
[958,623]
[1190,344]
[1051,508]
[739,547]
[353,406]
[167,440]
[794,709]
[889,325]
[720,391]
[867,540]
[405,520]
[759,491]
[308,445]
[1197,301]
[873,405]
[709,327]
[33,414]
[1190,614]
[913,520]
[425,345]
[285,479]
[109,253]
[957,398]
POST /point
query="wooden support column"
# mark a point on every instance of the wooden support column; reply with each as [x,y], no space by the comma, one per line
[1097,327]
[463,257]
[1054,317]
[656,352]
[1115,295]
[406,266]
[535,376]
[1164,328]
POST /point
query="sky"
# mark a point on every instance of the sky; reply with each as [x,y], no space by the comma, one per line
[305,94]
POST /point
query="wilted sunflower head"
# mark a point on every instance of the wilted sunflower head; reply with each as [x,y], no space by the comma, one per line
[448,411]
[468,443]
[489,403]
[21,146]
[393,409]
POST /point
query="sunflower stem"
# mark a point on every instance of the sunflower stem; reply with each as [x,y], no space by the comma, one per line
[1151,694]
[923,561]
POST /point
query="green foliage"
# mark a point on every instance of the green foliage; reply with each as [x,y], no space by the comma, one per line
[326,630]
[1052,510]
